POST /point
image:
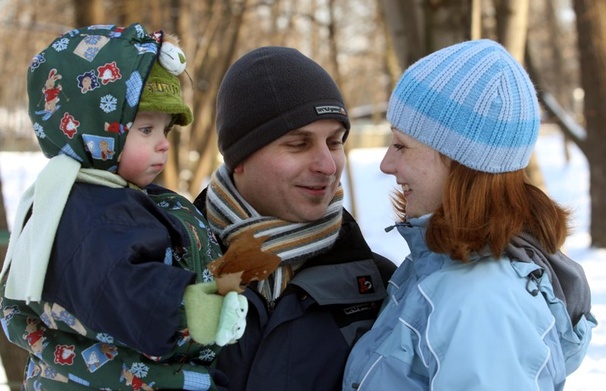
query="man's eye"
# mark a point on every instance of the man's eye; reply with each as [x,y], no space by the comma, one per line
[335,143]
[299,144]
[398,146]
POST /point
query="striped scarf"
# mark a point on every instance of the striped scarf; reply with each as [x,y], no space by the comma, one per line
[229,215]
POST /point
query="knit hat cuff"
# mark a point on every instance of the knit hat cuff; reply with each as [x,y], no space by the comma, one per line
[282,124]
[183,115]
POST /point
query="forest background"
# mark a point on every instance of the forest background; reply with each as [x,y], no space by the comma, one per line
[364,44]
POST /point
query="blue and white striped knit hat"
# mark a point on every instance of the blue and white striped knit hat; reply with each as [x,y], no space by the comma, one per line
[472,102]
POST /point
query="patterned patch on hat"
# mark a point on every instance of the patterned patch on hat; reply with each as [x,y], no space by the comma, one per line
[330,110]
[69,125]
[88,81]
[90,46]
[60,44]
[143,48]
[69,151]
[133,89]
[108,103]
[99,147]
[109,73]
[101,27]
[37,61]
[39,131]
[115,127]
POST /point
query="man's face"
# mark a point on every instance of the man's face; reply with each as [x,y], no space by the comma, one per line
[295,177]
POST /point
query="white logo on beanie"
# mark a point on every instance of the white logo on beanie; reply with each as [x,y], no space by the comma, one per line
[330,110]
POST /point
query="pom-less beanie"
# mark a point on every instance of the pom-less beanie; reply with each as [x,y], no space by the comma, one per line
[472,102]
[269,92]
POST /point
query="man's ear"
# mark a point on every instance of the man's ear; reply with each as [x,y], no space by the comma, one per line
[239,169]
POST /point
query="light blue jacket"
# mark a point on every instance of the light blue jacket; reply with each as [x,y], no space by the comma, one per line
[447,325]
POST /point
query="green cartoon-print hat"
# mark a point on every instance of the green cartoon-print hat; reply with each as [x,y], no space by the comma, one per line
[86,87]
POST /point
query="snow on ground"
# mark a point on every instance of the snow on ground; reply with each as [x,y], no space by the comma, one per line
[567,182]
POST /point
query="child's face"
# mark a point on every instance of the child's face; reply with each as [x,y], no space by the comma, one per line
[146,149]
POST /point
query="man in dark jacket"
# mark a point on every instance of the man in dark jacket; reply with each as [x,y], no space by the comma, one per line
[282,123]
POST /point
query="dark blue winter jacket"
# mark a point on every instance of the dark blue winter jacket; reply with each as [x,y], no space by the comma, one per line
[302,343]
[106,238]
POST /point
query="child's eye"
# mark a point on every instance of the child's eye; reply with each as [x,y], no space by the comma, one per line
[145,129]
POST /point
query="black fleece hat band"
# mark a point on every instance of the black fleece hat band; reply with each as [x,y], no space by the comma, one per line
[269,92]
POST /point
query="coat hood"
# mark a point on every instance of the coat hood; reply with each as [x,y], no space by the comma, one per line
[84,91]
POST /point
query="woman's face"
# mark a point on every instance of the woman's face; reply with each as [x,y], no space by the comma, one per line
[420,171]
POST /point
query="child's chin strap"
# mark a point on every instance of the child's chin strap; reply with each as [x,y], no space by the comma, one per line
[30,244]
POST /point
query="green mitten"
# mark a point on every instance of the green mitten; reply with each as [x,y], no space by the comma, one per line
[232,321]
[202,311]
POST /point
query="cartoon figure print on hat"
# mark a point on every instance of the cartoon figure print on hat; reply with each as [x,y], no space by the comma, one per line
[128,80]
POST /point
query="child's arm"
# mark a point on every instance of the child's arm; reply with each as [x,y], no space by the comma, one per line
[119,278]
[221,318]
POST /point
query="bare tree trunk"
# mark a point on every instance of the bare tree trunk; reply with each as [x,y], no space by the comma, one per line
[476,19]
[513,26]
[177,154]
[88,12]
[558,66]
[418,28]
[13,357]
[512,31]
[332,41]
[591,28]
[403,19]
[205,140]
[448,22]
[130,11]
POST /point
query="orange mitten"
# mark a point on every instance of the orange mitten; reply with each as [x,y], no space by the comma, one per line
[242,263]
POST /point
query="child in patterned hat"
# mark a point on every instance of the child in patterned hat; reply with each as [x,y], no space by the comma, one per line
[108,284]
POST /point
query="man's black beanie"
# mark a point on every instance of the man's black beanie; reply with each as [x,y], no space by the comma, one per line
[267,93]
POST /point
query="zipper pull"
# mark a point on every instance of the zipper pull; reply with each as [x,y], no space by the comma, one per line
[271,304]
